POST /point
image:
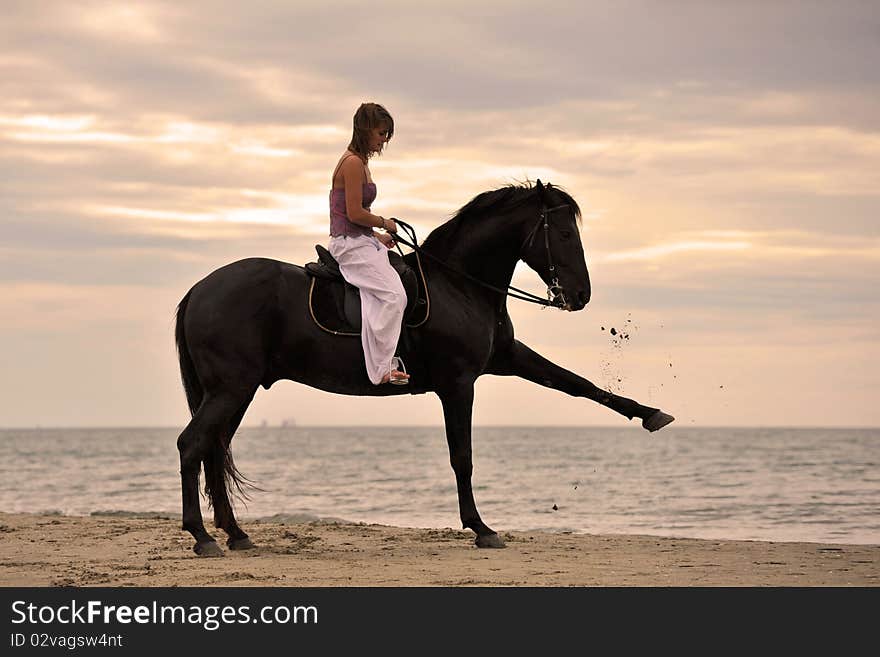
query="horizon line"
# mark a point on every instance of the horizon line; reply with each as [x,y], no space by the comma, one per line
[441,426]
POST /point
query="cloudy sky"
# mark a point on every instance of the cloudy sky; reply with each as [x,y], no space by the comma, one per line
[726,156]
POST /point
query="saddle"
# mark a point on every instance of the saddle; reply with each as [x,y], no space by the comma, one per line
[335,305]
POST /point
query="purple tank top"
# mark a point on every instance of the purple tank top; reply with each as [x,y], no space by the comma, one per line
[340,224]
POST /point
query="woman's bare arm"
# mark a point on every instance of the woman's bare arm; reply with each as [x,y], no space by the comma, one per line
[353,174]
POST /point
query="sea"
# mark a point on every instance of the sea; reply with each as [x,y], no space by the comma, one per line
[773,484]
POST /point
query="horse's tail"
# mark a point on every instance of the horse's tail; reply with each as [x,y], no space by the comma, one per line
[191,385]
[228,477]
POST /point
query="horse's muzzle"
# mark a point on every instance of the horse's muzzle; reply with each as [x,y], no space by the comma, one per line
[583,298]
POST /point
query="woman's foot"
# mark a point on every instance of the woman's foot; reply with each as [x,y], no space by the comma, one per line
[396,377]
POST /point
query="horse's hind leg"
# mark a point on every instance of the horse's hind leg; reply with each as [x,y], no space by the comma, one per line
[224,518]
[196,443]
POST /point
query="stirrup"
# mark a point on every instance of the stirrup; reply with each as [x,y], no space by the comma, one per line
[398,380]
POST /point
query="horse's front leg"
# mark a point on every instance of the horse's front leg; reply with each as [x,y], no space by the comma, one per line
[458,401]
[521,361]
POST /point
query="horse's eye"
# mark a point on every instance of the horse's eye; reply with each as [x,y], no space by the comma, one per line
[566,234]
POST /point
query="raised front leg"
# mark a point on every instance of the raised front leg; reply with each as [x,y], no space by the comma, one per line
[458,404]
[521,361]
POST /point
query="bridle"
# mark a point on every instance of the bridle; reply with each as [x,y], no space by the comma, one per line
[555,292]
[554,289]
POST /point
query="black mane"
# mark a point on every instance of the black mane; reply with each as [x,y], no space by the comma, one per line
[495,201]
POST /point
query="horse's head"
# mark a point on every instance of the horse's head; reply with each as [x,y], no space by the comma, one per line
[552,247]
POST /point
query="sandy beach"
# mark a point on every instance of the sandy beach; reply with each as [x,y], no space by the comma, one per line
[47,550]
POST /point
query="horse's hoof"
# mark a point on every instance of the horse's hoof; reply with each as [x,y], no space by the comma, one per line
[240,544]
[489,541]
[657,421]
[208,549]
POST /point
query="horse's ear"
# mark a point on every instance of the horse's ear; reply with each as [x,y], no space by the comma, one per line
[540,188]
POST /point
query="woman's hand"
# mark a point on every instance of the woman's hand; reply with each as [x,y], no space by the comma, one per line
[386,239]
[389,225]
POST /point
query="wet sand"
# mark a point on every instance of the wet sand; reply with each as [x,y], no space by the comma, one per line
[47,550]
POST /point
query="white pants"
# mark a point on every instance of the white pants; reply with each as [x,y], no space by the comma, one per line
[363,261]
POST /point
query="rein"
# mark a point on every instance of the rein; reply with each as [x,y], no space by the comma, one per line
[555,296]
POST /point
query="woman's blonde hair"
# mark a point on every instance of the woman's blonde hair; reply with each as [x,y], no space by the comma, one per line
[367,117]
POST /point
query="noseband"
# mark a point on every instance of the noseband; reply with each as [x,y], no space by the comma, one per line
[555,293]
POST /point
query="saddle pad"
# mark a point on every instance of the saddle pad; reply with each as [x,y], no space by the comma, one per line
[335,306]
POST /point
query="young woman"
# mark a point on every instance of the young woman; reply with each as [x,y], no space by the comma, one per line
[361,251]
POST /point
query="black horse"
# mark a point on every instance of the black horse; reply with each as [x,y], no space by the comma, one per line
[248,324]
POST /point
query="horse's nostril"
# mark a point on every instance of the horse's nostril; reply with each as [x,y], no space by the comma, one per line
[583,297]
